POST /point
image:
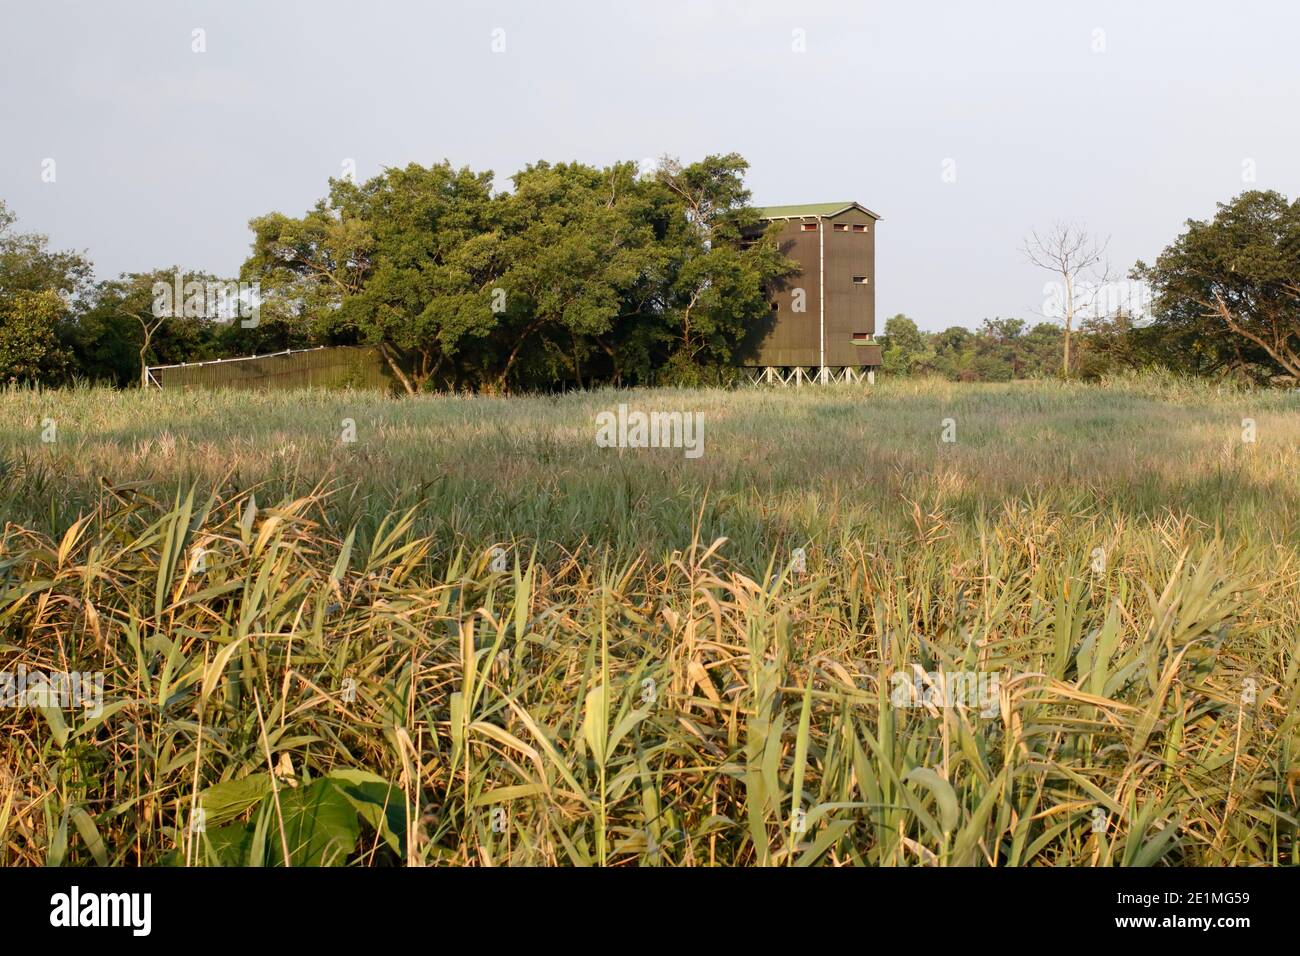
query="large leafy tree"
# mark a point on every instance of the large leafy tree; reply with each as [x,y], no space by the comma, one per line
[1229,288]
[402,261]
[432,257]
[720,265]
[39,289]
[29,346]
[578,241]
[955,353]
[27,263]
[307,267]
[577,275]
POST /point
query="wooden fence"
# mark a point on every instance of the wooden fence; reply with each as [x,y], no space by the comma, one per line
[325,367]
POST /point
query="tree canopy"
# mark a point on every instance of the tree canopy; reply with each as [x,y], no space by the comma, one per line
[39,289]
[1227,291]
[577,274]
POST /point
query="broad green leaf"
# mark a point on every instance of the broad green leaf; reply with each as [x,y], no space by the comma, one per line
[225,801]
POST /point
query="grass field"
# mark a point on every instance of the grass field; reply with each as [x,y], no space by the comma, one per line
[472,636]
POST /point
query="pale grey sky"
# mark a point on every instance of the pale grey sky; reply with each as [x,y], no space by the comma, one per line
[1130,116]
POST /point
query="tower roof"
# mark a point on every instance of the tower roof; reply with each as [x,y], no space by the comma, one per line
[814,209]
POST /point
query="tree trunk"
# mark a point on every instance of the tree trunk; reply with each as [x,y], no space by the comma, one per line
[613,361]
[386,352]
[514,354]
[420,378]
[146,335]
[1277,351]
[1069,322]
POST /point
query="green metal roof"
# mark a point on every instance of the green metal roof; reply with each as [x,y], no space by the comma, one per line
[811,209]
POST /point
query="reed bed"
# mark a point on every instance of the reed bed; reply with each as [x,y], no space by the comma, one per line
[473,638]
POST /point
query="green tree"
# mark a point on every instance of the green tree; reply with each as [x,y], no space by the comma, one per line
[575,242]
[39,290]
[402,261]
[999,350]
[720,261]
[103,342]
[28,264]
[1229,288]
[432,265]
[308,266]
[29,347]
[124,327]
[1040,350]
[576,275]
[905,349]
[955,354]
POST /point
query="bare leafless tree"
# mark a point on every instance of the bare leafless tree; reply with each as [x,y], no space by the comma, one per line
[1071,252]
[149,324]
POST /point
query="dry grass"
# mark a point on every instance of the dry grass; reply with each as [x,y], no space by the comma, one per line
[634,689]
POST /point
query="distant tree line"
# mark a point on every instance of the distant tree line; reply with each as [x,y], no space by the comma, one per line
[1224,301]
[999,350]
[576,276]
[580,276]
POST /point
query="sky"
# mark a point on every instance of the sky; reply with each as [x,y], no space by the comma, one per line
[965,126]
